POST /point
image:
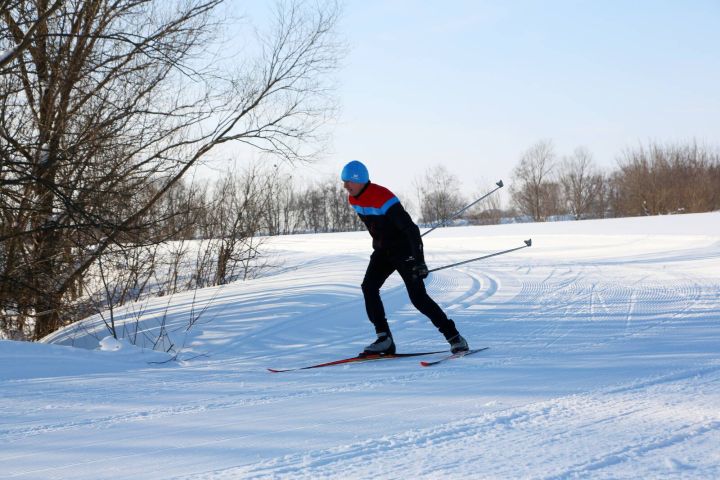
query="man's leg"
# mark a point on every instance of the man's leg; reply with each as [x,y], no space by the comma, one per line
[378,270]
[426,305]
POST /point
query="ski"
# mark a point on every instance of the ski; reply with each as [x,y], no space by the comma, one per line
[357,359]
[451,356]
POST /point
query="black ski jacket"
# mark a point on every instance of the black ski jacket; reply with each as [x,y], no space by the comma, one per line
[389,224]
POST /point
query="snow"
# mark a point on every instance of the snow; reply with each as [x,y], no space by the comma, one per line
[604,362]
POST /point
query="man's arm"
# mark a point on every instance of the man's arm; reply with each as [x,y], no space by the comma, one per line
[401,219]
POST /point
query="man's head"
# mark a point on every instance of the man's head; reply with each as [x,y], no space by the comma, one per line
[354,176]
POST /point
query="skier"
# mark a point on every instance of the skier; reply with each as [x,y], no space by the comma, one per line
[397,246]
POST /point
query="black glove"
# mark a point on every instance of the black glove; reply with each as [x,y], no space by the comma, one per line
[420,270]
[418,267]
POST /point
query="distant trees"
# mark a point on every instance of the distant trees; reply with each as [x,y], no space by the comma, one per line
[650,180]
[661,179]
[323,207]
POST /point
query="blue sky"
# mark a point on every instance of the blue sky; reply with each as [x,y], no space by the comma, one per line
[472,85]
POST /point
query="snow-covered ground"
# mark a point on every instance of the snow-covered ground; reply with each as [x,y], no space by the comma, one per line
[604,362]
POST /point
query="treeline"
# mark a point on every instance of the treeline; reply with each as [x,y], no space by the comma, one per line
[649,180]
[256,201]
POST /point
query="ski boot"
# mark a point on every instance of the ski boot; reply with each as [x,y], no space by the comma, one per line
[458,344]
[384,345]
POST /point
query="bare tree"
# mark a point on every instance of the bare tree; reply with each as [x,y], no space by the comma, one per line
[533,191]
[438,195]
[110,105]
[285,201]
[21,38]
[237,217]
[273,199]
[582,184]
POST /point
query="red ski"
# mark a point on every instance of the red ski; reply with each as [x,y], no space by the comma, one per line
[357,359]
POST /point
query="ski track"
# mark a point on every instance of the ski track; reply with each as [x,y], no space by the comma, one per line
[526,311]
[567,431]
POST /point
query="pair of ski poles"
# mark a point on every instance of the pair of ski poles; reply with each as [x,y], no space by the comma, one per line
[527,242]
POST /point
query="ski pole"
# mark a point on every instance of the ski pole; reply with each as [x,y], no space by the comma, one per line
[528,243]
[454,215]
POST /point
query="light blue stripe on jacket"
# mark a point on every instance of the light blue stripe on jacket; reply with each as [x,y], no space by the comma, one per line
[376,211]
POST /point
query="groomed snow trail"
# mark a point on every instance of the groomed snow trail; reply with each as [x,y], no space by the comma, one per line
[604,363]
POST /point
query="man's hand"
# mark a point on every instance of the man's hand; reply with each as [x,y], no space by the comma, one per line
[420,270]
[418,267]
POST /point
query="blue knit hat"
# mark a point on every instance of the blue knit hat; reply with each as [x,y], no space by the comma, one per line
[356,172]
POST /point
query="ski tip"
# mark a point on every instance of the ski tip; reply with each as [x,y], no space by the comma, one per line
[274,370]
[426,363]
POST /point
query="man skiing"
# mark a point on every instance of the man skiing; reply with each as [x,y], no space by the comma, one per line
[397,246]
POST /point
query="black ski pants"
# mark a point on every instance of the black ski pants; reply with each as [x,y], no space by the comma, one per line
[382,265]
